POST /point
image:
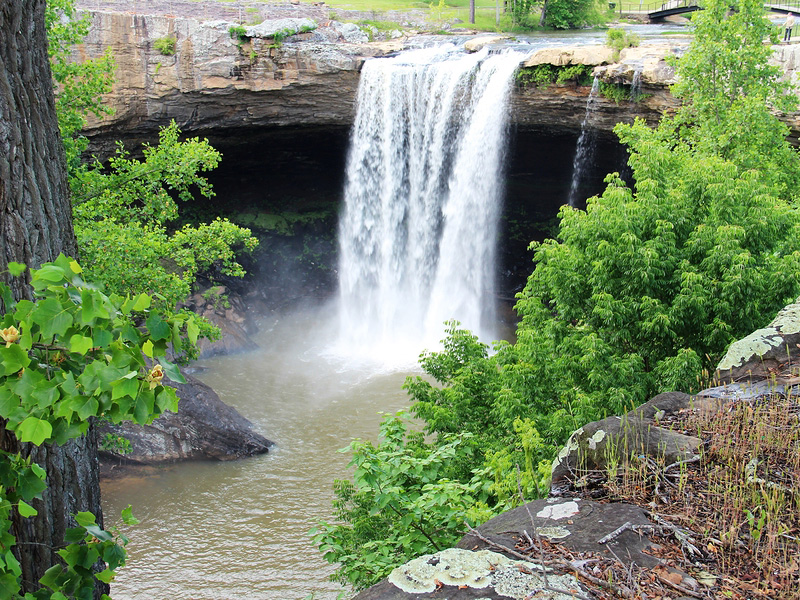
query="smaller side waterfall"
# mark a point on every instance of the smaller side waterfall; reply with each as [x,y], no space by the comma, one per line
[585,146]
[636,84]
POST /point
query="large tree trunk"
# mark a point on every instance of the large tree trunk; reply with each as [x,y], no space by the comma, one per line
[35,226]
[35,223]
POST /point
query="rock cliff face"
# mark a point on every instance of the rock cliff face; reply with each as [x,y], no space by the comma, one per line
[214,81]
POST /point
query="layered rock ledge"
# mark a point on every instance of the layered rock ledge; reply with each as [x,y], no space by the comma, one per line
[216,81]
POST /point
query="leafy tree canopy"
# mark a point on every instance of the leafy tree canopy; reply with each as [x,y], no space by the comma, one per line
[126,212]
[71,355]
[640,293]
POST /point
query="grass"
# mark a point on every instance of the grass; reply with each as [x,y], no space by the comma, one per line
[740,502]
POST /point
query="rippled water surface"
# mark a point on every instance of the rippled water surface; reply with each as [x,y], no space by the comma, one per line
[217,531]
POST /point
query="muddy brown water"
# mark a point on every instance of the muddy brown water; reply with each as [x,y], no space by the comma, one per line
[238,530]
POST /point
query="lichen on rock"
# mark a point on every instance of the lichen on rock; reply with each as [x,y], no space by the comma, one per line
[482,569]
[757,352]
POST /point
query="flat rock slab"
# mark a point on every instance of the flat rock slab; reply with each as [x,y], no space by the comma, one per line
[575,523]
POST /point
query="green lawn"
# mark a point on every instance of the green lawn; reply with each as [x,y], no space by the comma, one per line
[484,14]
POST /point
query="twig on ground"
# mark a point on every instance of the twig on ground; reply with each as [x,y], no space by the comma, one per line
[680,588]
[683,535]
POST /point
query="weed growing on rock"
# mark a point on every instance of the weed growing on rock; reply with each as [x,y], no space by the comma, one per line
[165,45]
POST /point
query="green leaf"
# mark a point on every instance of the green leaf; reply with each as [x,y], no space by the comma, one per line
[173,372]
[98,532]
[9,586]
[51,577]
[85,518]
[158,328]
[34,430]
[16,269]
[192,331]
[9,402]
[13,359]
[26,510]
[114,555]
[106,575]
[80,344]
[102,337]
[50,274]
[87,408]
[142,302]
[177,342]
[127,516]
[147,348]
[143,409]
[90,308]
[52,317]
[31,482]
[125,387]
[167,400]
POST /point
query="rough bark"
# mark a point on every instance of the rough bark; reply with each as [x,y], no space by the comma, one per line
[35,226]
[35,223]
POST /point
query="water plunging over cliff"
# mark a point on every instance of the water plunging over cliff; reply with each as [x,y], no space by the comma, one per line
[422,197]
[584,148]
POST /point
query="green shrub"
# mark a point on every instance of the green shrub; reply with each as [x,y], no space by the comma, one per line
[165,45]
[614,91]
[544,75]
[617,39]
[238,33]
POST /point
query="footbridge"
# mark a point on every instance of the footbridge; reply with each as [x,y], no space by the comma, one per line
[660,10]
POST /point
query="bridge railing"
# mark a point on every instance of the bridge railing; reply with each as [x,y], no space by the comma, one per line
[641,6]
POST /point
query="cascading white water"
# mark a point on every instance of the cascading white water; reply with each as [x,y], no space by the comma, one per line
[422,196]
[584,147]
[636,84]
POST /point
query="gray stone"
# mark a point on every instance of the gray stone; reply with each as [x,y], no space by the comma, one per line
[459,573]
[602,445]
[476,44]
[585,521]
[350,32]
[203,428]
[268,29]
[227,311]
[765,350]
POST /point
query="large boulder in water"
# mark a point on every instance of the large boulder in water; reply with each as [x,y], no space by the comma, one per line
[203,428]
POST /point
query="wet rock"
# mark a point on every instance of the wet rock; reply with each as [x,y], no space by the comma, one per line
[203,428]
[595,447]
[577,524]
[350,32]
[477,44]
[477,568]
[566,56]
[270,27]
[227,311]
[650,61]
[762,352]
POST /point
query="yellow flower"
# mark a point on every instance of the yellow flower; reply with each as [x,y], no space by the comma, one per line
[155,376]
[9,335]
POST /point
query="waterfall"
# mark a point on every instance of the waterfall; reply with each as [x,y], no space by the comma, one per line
[422,199]
[636,84]
[583,150]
